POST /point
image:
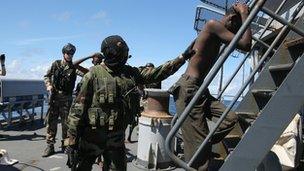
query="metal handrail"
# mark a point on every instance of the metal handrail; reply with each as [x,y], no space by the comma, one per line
[203,87]
[248,54]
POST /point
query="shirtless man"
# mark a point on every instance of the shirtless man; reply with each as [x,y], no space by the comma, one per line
[208,43]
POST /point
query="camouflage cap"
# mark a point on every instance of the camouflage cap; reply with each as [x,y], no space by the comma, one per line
[69,49]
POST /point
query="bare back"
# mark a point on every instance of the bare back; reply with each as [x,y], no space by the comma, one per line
[207,45]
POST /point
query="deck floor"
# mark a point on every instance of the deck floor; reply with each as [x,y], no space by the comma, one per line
[26,143]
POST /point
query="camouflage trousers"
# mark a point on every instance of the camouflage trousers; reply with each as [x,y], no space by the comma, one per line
[98,142]
[59,108]
[195,128]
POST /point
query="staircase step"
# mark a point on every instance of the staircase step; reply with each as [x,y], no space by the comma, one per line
[277,107]
[262,96]
[279,72]
[263,92]
[281,67]
[245,119]
[245,113]
[267,128]
[231,142]
[294,42]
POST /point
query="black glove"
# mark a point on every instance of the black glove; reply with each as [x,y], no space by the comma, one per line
[2,57]
[189,52]
[73,159]
[70,149]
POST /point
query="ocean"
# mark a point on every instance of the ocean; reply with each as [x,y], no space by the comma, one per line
[172,108]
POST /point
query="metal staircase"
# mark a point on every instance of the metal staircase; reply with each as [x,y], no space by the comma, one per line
[270,79]
[272,100]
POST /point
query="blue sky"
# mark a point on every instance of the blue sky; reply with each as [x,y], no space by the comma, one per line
[34,31]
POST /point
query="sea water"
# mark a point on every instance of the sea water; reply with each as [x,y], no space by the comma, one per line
[172,108]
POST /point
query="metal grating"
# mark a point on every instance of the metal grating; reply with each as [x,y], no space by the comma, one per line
[203,14]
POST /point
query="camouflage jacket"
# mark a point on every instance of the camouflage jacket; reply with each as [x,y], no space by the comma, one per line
[61,76]
[103,100]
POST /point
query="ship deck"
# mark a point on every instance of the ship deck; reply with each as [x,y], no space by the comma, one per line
[26,143]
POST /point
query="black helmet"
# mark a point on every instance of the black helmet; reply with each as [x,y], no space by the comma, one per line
[150,65]
[115,50]
[69,49]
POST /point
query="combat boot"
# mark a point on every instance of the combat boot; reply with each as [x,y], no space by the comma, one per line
[49,150]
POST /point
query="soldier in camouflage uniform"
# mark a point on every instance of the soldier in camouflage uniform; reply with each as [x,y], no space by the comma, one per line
[81,71]
[135,111]
[138,102]
[98,116]
[152,85]
[96,60]
[60,81]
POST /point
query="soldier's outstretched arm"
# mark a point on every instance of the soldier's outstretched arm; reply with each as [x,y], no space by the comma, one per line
[81,71]
[80,106]
[162,72]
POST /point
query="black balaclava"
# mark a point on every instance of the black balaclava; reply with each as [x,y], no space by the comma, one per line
[115,51]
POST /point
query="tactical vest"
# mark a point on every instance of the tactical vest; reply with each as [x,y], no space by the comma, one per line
[64,78]
[111,103]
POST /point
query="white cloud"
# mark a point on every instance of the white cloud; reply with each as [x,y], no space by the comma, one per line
[39,69]
[43,39]
[13,65]
[17,70]
[31,52]
[62,17]
[99,15]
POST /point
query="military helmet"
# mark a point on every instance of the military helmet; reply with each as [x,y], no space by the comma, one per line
[115,50]
[69,49]
[150,65]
